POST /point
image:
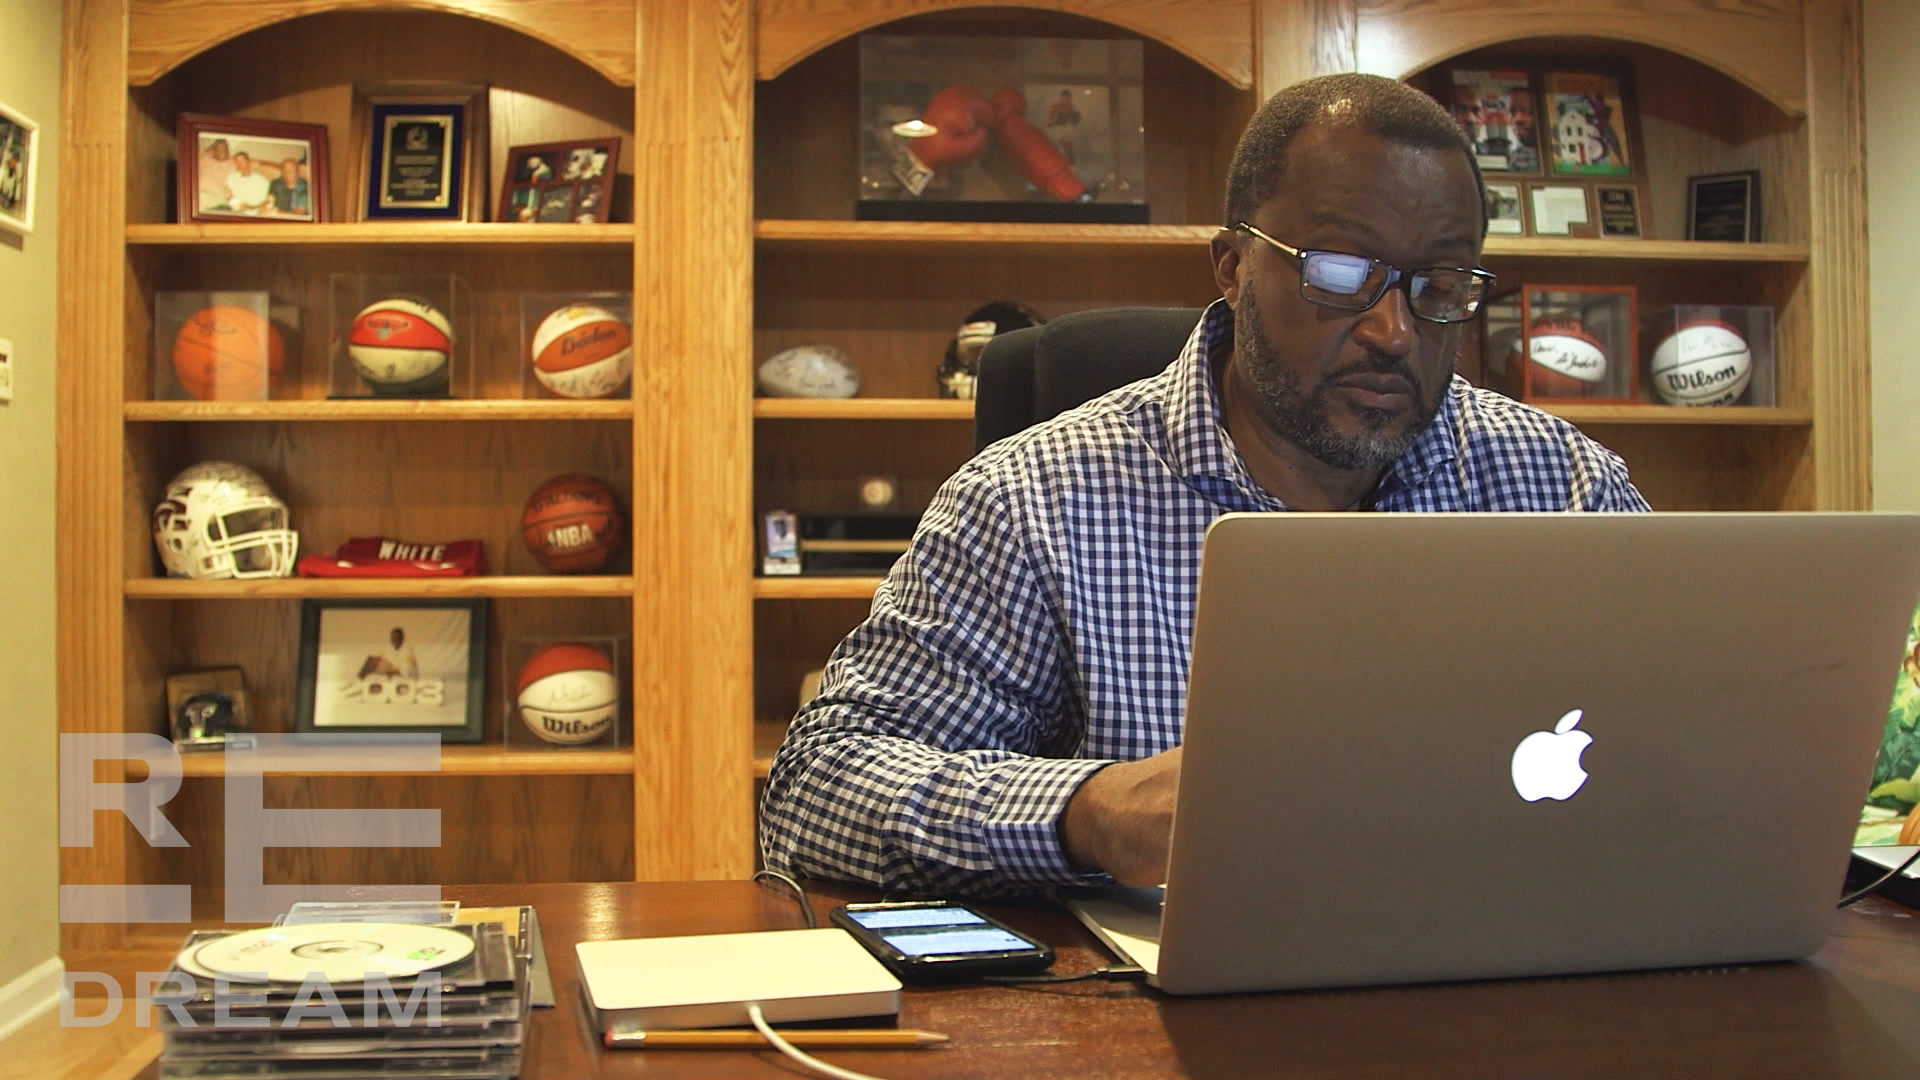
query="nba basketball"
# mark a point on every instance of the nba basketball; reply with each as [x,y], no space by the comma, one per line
[572,524]
[1564,360]
[228,353]
[583,351]
[1702,363]
[568,693]
[400,346]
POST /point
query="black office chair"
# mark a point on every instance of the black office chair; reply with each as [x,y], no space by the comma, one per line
[1039,372]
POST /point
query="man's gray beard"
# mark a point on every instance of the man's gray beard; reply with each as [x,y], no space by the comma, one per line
[1302,418]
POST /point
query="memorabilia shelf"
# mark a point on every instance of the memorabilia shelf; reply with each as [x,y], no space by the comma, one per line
[814,588]
[502,586]
[322,409]
[408,234]
[454,761]
[859,408]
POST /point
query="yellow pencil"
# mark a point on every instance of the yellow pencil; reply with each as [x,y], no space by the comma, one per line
[810,1038]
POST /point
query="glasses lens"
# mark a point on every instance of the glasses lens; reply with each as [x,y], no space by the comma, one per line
[1338,280]
[1444,294]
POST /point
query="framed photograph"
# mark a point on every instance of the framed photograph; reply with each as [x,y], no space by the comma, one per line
[562,181]
[238,169]
[1619,209]
[205,707]
[1724,206]
[19,164]
[385,665]
[419,149]
[1560,210]
[1590,131]
[1495,108]
[1505,213]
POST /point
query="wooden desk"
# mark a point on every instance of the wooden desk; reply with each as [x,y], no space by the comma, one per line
[1852,1012]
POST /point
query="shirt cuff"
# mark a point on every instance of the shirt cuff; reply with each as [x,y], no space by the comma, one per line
[1022,829]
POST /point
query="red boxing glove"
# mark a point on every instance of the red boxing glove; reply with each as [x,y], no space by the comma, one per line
[962,118]
[1045,166]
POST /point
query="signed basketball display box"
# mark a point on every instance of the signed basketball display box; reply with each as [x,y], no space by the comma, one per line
[222,346]
[576,345]
[1564,343]
[564,692]
[1001,129]
[1711,354]
[399,336]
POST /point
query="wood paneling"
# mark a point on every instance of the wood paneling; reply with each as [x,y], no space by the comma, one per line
[1303,38]
[1757,42]
[164,34]
[1216,34]
[1842,385]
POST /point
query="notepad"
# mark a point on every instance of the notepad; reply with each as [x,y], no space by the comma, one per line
[708,980]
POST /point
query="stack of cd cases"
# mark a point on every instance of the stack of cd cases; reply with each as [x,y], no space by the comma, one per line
[332,1001]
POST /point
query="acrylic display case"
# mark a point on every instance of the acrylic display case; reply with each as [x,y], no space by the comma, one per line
[576,345]
[1564,343]
[222,346]
[399,336]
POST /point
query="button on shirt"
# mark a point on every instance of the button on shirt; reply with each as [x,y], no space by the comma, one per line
[1038,628]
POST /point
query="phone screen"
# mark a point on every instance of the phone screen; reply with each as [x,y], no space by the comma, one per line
[938,931]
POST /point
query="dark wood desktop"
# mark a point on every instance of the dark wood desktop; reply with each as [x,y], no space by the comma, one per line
[1851,1012]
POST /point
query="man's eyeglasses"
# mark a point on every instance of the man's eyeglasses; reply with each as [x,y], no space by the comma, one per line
[1335,279]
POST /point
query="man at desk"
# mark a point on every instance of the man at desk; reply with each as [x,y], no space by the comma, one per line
[1008,717]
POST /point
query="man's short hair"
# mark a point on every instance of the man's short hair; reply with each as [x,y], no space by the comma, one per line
[1385,107]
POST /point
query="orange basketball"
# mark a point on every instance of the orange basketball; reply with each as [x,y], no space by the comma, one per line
[228,353]
[573,524]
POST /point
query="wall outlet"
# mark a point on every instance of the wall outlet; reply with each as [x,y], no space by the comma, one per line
[6,371]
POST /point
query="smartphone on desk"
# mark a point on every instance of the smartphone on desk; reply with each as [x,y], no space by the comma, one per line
[940,940]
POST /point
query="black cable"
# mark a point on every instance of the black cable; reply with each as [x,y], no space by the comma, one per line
[799,894]
[1116,971]
[1861,894]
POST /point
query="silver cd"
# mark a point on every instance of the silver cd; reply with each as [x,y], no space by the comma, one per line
[336,952]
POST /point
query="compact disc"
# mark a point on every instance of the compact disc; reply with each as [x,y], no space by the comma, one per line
[337,952]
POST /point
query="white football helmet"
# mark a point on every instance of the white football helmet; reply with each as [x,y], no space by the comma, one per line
[221,520]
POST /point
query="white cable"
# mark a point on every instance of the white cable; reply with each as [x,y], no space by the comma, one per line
[797,1054]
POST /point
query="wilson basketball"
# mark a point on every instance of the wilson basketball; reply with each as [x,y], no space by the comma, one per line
[568,693]
[1564,360]
[228,353]
[572,524]
[401,346]
[582,351]
[1702,363]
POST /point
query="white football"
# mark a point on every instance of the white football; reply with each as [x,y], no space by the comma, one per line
[809,371]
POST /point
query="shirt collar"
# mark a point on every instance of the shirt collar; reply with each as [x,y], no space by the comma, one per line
[1201,450]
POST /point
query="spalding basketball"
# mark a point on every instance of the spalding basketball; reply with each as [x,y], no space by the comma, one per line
[1563,360]
[572,524]
[568,693]
[400,346]
[228,353]
[582,351]
[1702,363]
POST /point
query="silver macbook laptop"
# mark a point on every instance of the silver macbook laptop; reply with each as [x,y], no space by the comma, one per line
[1428,747]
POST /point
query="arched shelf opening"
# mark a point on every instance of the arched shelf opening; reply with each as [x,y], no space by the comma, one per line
[1215,34]
[164,36]
[306,69]
[807,126]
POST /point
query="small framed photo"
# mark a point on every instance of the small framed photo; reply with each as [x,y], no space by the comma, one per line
[562,181]
[1506,215]
[1619,209]
[419,149]
[780,543]
[388,665]
[19,164]
[1590,133]
[239,169]
[1495,108]
[205,707]
[1725,207]
[1560,210]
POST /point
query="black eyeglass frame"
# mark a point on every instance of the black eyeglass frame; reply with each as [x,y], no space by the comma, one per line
[1396,279]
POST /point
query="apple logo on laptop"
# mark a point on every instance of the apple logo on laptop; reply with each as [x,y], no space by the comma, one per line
[1546,764]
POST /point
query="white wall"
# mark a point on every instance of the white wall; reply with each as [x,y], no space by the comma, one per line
[1893,233]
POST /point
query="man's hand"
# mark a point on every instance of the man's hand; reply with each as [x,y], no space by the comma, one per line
[1121,819]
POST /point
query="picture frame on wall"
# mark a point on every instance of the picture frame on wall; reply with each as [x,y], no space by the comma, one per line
[1560,210]
[234,168]
[560,182]
[393,665]
[1620,210]
[1724,207]
[19,165]
[1506,210]
[1590,130]
[1497,109]
[419,151]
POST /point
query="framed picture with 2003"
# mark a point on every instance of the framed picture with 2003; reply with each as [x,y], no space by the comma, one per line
[391,665]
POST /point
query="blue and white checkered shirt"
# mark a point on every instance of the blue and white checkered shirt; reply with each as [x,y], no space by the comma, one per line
[1039,626]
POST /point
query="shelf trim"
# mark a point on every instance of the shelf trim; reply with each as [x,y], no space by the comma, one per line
[369,409]
[496,586]
[482,760]
[862,409]
[815,588]
[380,233]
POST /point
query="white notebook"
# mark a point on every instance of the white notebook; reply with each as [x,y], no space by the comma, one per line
[707,980]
